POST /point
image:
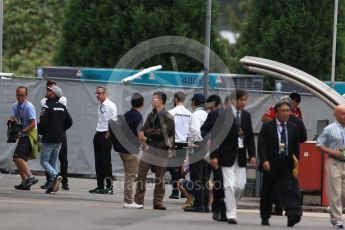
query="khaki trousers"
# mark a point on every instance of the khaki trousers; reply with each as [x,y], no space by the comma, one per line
[159,189]
[335,188]
[130,165]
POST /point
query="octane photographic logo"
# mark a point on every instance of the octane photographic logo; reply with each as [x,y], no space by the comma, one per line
[131,60]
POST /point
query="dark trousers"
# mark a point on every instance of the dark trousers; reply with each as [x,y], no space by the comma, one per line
[63,161]
[199,177]
[280,175]
[102,151]
[175,172]
[277,199]
[218,204]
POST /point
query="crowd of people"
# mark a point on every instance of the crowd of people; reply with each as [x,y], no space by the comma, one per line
[206,151]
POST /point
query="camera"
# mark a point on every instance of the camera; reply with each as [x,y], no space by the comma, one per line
[13,129]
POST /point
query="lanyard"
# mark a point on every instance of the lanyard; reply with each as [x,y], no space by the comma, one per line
[153,120]
[20,112]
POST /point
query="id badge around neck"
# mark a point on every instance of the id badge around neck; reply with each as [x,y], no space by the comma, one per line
[240,143]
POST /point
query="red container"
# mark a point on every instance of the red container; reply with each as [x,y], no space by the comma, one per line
[310,167]
[312,171]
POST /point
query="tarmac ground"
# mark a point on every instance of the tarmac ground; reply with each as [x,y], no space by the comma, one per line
[78,209]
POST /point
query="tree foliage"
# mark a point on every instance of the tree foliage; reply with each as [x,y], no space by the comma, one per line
[98,33]
[30,31]
[295,32]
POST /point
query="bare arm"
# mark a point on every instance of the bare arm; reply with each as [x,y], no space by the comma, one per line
[31,126]
[335,153]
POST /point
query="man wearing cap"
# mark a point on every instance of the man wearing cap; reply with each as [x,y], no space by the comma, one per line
[63,151]
[197,150]
[295,117]
[278,144]
[54,121]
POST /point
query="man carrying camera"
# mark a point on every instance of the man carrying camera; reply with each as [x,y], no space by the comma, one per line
[24,113]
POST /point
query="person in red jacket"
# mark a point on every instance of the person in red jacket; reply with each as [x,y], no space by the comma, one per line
[295,110]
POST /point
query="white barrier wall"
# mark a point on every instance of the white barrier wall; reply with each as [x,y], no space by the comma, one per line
[82,105]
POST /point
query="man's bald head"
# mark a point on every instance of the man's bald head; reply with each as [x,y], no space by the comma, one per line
[339,113]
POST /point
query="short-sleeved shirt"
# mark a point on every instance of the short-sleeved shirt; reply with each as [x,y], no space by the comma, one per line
[332,137]
[106,111]
[24,113]
[182,119]
[134,120]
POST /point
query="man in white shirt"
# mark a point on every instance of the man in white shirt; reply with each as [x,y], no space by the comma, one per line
[182,118]
[198,166]
[102,142]
[63,151]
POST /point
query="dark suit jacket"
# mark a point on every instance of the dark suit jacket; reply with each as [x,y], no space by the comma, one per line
[220,126]
[301,128]
[268,144]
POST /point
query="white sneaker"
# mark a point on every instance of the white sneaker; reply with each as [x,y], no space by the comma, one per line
[133,205]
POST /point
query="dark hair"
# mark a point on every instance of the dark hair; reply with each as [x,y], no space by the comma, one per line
[214,99]
[137,100]
[51,82]
[295,97]
[237,94]
[23,87]
[161,96]
[180,96]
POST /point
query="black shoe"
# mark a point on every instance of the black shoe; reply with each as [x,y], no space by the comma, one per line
[194,209]
[45,186]
[97,191]
[22,186]
[218,216]
[174,196]
[338,226]
[65,186]
[232,221]
[292,220]
[108,191]
[31,181]
[50,190]
[265,222]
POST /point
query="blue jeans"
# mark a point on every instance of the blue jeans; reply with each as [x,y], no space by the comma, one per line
[49,156]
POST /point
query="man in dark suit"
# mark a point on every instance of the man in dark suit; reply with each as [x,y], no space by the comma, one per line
[233,140]
[278,142]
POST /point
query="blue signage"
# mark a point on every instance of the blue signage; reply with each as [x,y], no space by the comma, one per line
[159,78]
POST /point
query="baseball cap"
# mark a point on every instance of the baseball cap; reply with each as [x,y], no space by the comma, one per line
[283,101]
[57,91]
[199,98]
